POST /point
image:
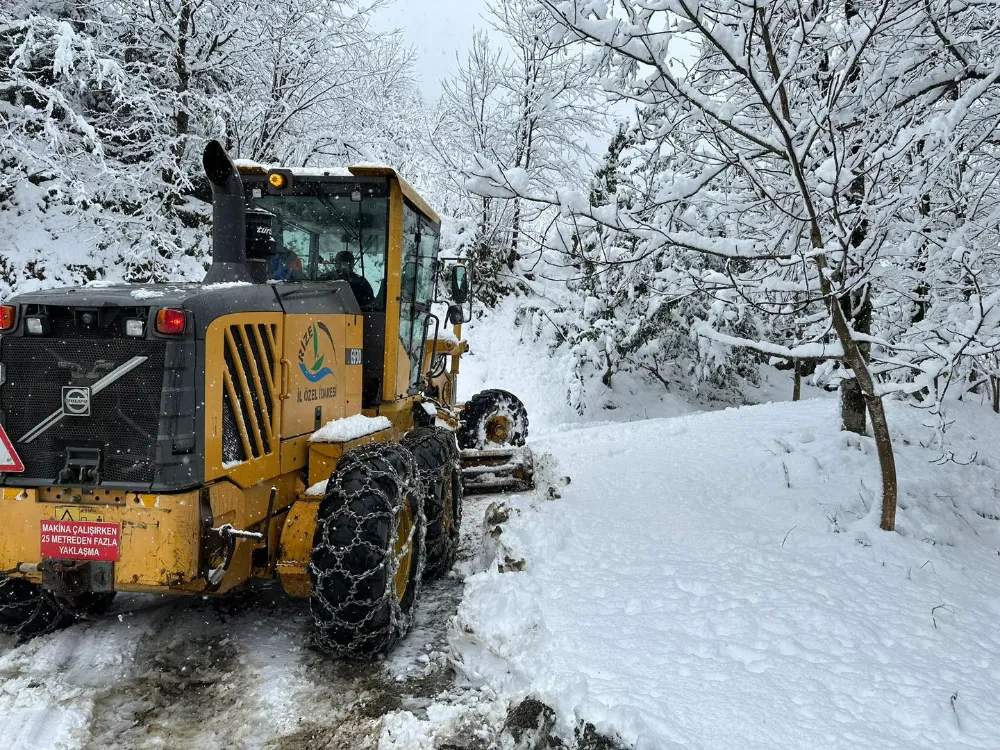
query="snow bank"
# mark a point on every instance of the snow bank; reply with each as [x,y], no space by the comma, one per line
[719,581]
[318,489]
[349,428]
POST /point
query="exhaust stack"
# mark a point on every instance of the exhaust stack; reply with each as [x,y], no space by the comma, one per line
[229,256]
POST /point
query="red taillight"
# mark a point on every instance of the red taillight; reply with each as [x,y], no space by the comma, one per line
[8,317]
[170,321]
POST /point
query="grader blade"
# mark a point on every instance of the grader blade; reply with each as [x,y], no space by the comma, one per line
[497,470]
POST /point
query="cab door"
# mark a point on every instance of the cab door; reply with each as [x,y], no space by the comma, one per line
[420,250]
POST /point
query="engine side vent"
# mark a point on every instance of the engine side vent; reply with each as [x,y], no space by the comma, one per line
[250,408]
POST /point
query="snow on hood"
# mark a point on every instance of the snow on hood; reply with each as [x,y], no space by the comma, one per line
[349,428]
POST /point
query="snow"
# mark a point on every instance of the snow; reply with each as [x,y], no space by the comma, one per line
[704,580]
[146,294]
[445,333]
[349,428]
[402,730]
[225,285]
[817,350]
[719,581]
[296,171]
[507,356]
[318,489]
[373,165]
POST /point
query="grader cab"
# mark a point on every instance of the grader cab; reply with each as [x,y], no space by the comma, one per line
[294,416]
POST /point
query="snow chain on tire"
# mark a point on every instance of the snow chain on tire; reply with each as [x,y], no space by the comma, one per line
[355,561]
[27,610]
[489,409]
[436,454]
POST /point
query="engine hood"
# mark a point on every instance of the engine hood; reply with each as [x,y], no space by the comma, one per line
[205,301]
[118,295]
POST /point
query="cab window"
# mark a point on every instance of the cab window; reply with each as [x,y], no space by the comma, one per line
[333,230]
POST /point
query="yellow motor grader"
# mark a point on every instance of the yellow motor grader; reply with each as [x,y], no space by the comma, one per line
[291,416]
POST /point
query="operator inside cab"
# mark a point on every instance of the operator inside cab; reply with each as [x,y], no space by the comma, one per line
[285,265]
[343,270]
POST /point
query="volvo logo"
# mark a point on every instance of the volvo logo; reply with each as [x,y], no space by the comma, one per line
[76,401]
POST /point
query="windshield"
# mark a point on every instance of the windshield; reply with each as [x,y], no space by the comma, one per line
[326,231]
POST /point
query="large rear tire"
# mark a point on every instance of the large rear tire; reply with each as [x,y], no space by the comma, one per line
[493,418]
[368,552]
[436,454]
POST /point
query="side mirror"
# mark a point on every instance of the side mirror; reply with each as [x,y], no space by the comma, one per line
[456,316]
[459,279]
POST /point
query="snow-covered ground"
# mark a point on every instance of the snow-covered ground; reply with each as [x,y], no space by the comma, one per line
[719,581]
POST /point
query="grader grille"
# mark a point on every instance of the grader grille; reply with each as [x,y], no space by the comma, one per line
[124,417]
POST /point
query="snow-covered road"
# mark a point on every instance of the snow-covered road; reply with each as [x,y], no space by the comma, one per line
[702,582]
[228,673]
[718,581]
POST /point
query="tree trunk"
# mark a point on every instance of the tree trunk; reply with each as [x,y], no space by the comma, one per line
[515,236]
[880,428]
[797,388]
[855,359]
[852,407]
[883,444]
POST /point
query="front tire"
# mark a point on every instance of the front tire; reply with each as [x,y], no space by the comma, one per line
[436,454]
[368,552]
[492,418]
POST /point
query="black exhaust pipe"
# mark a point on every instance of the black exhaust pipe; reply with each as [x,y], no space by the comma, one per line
[229,255]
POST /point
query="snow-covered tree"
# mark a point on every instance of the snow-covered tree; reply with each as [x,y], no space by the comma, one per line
[51,157]
[529,102]
[796,147]
[620,313]
[316,82]
[107,105]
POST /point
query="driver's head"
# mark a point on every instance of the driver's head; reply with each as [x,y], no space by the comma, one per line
[343,264]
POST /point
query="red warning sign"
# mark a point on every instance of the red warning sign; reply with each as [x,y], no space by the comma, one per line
[80,540]
[9,460]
